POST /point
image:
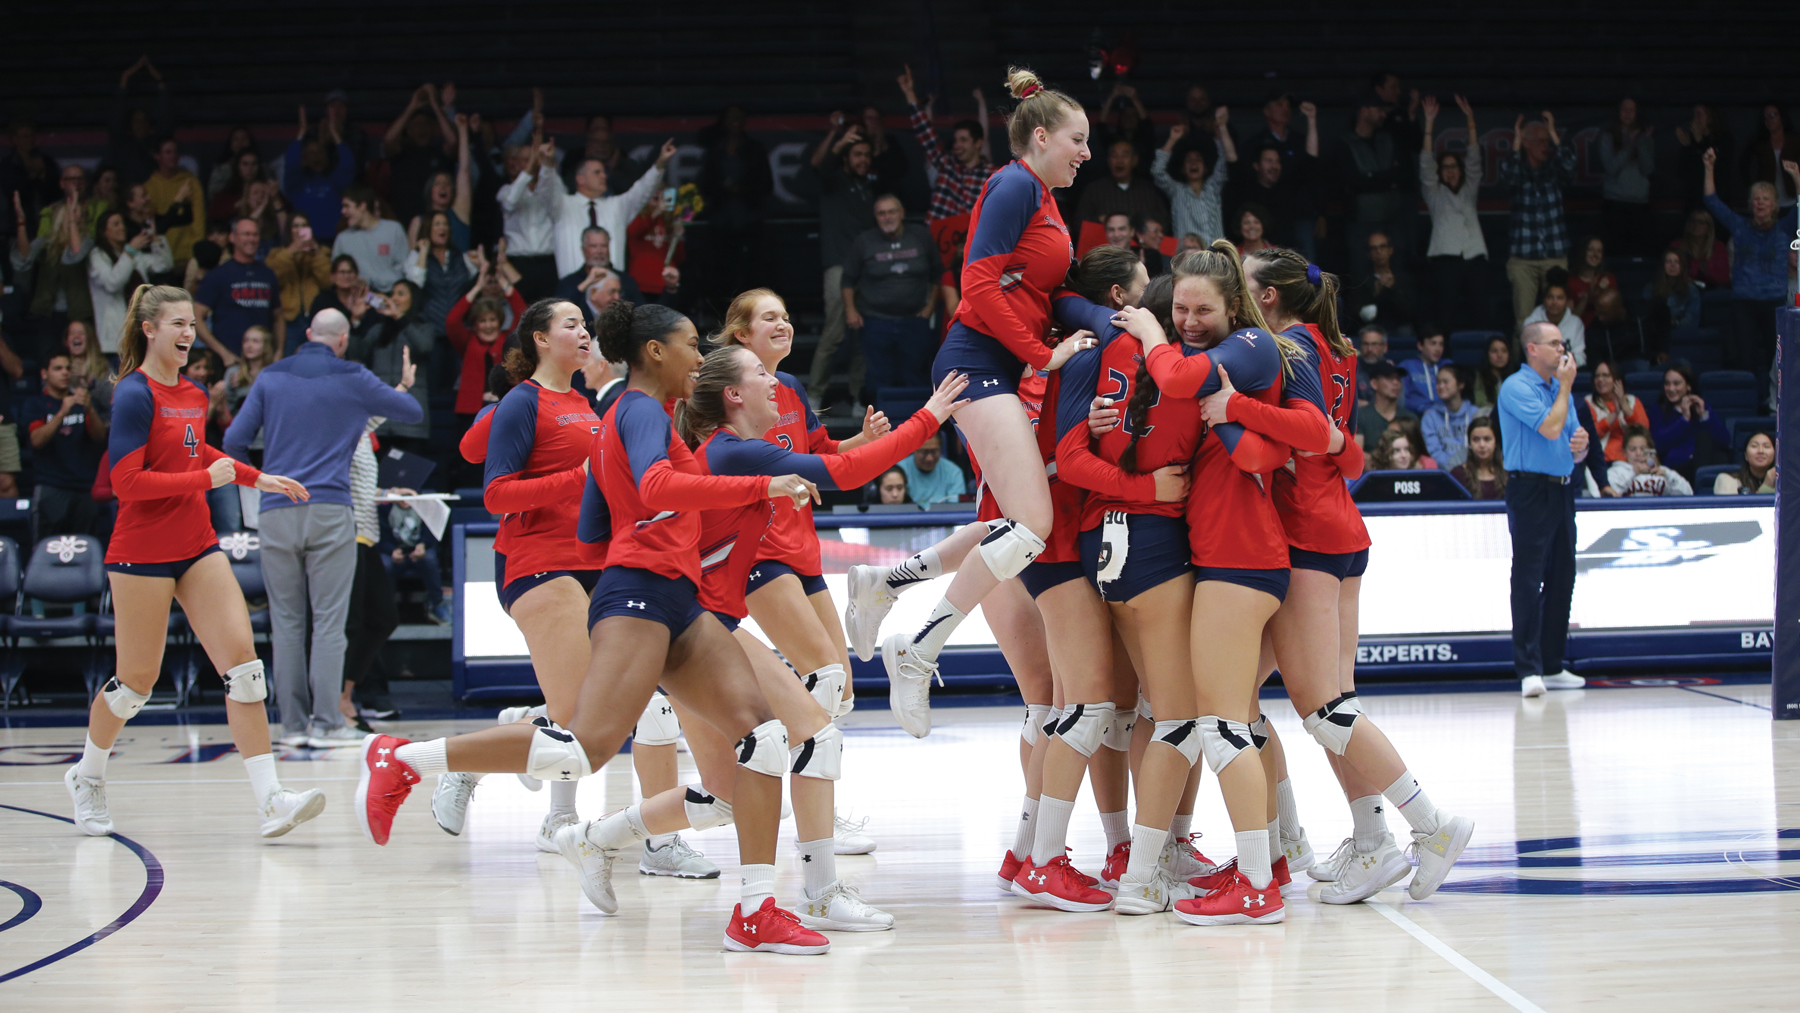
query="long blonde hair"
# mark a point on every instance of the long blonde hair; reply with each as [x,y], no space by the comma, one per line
[146,305]
[1038,106]
[703,411]
[738,316]
[1221,265]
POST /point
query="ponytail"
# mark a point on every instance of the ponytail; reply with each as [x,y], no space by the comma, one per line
[703,412]
[1159,298]
[624,329]
[521,359]
[1222,265]
[1099,269]
[146,306]
[1305,292]
[1038,106]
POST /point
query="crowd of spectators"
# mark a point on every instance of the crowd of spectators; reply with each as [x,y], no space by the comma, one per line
[433,232]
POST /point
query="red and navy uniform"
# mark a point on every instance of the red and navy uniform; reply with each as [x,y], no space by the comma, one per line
[1233,531]
[537,441]
[1324,527]
[159,458]
[729,538]
[1018,253]
[646,496]
[474,443]
[1032,391]
[792,543]
[1060,562]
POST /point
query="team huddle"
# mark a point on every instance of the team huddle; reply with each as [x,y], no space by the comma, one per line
[1162,466]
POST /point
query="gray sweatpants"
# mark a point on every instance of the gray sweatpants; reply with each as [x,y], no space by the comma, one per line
[308,558]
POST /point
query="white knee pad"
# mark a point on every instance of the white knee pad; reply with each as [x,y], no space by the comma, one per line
[658,725]
[1183,735]
[1010,548]
[1118,733]
[555,754]
[1144,711]
[1259,730]
[1084,724]
[1036,714]
[821,756]
[1333,724]
[765,749]
[705,811]
[1223,740]
[827,686]
[1052,718]
[122,700]
[245,683]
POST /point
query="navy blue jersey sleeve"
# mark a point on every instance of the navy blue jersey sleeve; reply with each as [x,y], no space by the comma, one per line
[790,382]
[512,433]
[644,431]
[1252,359]
[1303,379]
[485,411]
[734,455]
[1006,208]
[1076,390]
[594,524]
[133,408]
[1075,313]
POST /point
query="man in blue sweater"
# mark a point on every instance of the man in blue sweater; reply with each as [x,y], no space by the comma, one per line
[311,408]
[312,183]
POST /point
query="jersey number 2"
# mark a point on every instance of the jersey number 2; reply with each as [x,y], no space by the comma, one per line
[190,442]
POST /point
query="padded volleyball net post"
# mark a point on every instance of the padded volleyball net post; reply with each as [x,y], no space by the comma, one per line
[1785,688]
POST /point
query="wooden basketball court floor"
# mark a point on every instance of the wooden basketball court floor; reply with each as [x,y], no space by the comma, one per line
[1633,850]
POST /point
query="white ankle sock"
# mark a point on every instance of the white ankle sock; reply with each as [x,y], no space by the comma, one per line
[425,758]
[261,769]
[1052,829]
[943,622]
[619,830]
[818,864]
[759,885]
[93,760]
[1368,815]
[1274,841]
[1146,848]
[657,842]
[1289,812]
[1182,825]
[920,566]
[541,710]
[1027,832]
[562,796]
[1117,827]
[1253,857]
[1413,803]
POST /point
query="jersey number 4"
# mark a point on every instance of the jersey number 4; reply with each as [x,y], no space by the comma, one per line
[190,442]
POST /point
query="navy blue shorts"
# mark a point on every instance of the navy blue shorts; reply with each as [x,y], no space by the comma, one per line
[173,571]
[1158,554]
[1041,577]
[991,369]
[730,623]
[1269,582]
[512,591]
[767,570]
[1341,565]
[642,594]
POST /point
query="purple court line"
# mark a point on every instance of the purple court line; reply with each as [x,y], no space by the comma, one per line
[153,884]
[1720,696]
[32,905]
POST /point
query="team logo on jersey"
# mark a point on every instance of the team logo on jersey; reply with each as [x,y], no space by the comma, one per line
[573,417]
[239,543]
[787,419]
[66,548]
[640,606]
[990,383]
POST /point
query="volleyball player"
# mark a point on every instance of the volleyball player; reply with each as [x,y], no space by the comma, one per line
[1314,632]
[786,593]
[1019,251]
[164,548]
[647,627]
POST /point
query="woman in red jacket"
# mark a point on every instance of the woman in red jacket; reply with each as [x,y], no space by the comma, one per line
[164,548]
[477,329]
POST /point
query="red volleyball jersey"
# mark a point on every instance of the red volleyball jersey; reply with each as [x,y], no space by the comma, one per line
[159,457]
[1018,253]
[537,441]
[647,491]
[791,538]
[1110,370]
[1310,495]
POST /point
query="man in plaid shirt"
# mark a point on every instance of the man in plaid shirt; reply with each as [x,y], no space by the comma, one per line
[1538,168]
[960,171]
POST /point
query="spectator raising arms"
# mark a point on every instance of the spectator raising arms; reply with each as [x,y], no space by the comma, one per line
[1538,168]
[439,270]
[589,207]
[1458,253]
[448,194]
[1495,368]
[1688,434]
[477,330]
[1555,311]
[1481,472]
[377,244]
[1614,410]
[655,250]
[400,340]
[839,172]
[1758,473]
[962,169]
[132,133]
[1194,200]
[1639,474]
[419,144]
[1759,267]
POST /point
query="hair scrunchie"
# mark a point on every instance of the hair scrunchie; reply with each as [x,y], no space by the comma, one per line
[1030,90]
[1312,274]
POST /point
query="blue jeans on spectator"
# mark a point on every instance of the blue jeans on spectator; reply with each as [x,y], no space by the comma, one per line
[1540,514]
[898,351]
[425,568]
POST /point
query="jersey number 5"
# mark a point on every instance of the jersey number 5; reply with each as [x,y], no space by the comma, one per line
[190,442]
